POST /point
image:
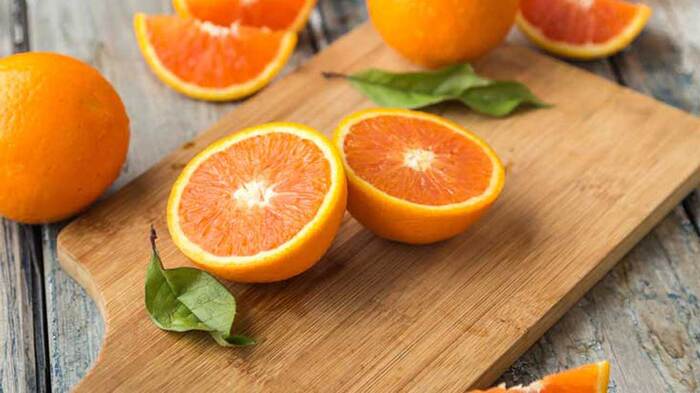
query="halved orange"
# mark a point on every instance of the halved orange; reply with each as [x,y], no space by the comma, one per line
[261,205]
[209,62]
[582,29]
[591,378]
[416,177]
[273,14]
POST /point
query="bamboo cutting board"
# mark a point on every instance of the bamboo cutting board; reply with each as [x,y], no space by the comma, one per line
[585,181]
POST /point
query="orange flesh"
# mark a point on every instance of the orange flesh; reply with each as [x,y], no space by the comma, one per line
[570,21]
[590,378]
[230,57]
[224,208]
[585,379]
[274,14]
[377,150]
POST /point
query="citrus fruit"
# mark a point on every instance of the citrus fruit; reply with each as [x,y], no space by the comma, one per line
[273,14]
[435,33]
[64,135]
[210,62]
[591,378]
[416,177]
[260,205]
[582,29]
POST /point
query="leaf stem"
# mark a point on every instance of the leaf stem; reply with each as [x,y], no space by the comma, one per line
[154,236]
[332,75]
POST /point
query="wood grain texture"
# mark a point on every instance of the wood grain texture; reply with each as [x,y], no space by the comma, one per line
[161,120]
[18,360]
[437,318]
[664,62]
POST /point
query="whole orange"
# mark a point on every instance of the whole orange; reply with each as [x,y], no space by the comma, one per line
[435,33]
[64,135]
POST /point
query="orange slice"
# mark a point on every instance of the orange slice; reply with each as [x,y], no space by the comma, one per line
[273,14]
[415,177]
[261,205]
[582,29]
[591,378]
[210,62]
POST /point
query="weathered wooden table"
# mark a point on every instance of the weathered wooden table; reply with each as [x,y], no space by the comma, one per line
[644,316]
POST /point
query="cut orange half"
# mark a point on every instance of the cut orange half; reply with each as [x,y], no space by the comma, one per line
[591,378]
[273,14]
[416,177]
[582,29]
[209,62]
[261,205]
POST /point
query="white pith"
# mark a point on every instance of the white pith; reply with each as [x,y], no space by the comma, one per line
[418,159]
[220,31]
[253,194]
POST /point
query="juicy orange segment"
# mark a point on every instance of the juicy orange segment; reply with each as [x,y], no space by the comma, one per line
[211,62]
[261,205]
[417,160]
[591,378]
[273,14]
[416,177]
[582,29]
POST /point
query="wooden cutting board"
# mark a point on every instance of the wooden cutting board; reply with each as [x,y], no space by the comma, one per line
[585,181]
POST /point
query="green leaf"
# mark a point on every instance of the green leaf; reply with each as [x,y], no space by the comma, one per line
[415,89]
[500,98]
[458,82]
[185,299]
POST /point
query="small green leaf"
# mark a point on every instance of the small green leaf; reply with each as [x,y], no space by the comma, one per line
[459,82]
[500,98]
[185,299]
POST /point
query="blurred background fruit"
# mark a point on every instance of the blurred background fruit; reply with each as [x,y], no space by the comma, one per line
[211,62]
[273,14]
[64,135]
[585,29]
[435,33]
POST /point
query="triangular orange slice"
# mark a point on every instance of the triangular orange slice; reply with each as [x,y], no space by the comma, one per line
[582,29]
[210,62]
[591,378]
[273,14]
[263,204]
[415,177]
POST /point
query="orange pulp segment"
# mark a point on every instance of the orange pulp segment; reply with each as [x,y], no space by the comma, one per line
[591,378]
[211,62]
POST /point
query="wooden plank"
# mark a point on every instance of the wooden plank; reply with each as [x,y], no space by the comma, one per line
[18,360]
[22,344]
[664,62]
[456,321]
[161,120]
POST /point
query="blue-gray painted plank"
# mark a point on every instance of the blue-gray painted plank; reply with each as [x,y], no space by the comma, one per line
[22,344]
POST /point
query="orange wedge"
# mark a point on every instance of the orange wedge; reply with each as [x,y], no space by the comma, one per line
[261,205]
[273,14]
[582,29]
[591,378]
[416,177]
[209,62]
